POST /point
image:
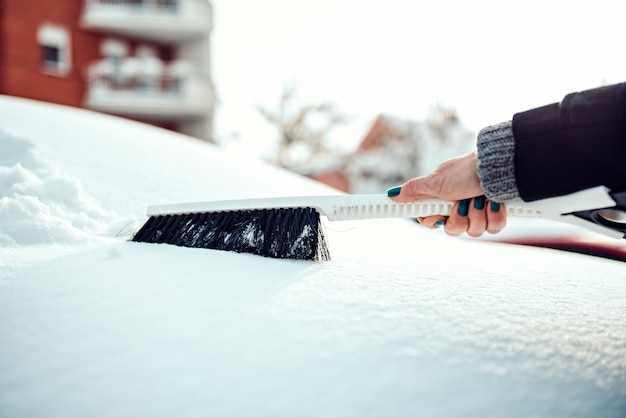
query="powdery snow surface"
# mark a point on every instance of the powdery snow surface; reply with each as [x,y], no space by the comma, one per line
[403,322]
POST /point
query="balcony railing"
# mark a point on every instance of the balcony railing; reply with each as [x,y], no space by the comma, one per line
[159,20]
[157,6]
[170,93]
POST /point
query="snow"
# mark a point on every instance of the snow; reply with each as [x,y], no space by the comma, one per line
[401,322]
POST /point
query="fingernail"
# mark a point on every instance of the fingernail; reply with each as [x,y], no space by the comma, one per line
[479,202]
[495,206]
[464,207]
[394,191]
[439,223]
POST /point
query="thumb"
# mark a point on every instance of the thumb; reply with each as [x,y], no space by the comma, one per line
[413,189]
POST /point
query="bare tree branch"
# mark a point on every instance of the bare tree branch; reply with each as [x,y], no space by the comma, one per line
[302,127]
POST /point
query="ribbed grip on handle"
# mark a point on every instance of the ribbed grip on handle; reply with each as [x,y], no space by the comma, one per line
[387,210]
[353,207]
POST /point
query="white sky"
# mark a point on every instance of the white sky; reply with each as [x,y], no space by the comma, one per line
[487,58]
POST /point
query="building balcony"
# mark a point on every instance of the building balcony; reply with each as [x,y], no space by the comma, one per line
[157,20]
[153,93]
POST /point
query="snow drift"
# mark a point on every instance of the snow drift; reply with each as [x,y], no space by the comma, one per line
[402,321]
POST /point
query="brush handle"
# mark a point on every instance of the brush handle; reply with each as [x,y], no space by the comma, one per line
[349,207]
[563,209]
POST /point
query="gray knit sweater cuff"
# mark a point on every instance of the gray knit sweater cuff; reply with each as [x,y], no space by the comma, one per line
[496,170]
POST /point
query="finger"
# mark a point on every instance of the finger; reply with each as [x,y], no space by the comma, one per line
[432,222]
[477,217]
[458,221]
[496,217]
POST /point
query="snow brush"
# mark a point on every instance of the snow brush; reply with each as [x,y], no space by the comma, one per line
[291,227]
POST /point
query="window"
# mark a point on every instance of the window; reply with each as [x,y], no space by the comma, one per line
[54,42]
[50,58]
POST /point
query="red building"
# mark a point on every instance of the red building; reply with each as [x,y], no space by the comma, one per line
[143,59]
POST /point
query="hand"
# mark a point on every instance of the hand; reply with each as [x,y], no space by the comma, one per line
[455,179]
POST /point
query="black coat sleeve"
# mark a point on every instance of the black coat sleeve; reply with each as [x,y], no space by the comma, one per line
[572,145]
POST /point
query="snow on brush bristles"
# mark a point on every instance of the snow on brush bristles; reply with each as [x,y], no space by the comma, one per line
[292,233]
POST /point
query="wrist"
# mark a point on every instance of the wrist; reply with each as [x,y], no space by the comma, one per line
[496,169]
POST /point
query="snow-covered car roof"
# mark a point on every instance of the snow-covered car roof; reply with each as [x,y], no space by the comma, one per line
[402,322]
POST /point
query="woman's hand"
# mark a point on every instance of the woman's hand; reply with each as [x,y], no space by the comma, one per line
[457,180]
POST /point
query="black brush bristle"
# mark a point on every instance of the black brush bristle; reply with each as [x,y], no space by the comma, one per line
[294,233]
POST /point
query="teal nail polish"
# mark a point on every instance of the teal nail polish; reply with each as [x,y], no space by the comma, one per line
[464,207]
[439,223]
[495,206]
[394,191]
[479,202]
